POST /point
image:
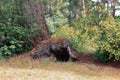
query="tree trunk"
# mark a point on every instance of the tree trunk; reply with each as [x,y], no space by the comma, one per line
[113,8]
[37,11]
[83,6]
[34,13]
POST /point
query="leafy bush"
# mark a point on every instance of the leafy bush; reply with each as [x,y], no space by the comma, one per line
[109,40]
[102,55]
[14,37]
[68,32]
[56,21]
[79,38]
[13,40]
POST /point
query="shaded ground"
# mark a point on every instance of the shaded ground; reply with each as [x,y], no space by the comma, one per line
[88,58]
[19,68]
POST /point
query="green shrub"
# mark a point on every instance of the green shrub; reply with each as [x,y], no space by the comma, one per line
[56,21]
[15,35]
[109,39]
[79,38]
[68,32]
[101,55]
[13,40]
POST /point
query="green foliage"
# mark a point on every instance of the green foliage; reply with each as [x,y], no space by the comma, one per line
[90,32]
[109,39]
[13,40]
[117,18]
[14,37]
[70,33]
[101,55]
[79,38]
[56,21]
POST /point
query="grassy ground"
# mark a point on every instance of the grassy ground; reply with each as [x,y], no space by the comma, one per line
[22,68]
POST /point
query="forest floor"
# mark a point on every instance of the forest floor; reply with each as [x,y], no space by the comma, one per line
[24,68]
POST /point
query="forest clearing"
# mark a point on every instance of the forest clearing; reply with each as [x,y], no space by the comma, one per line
[18,68]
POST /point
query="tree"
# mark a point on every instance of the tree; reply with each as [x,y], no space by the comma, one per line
[83,6]
[56,13]
[33,13]
[37,12]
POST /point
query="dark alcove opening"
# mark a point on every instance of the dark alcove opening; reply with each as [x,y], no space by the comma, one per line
[61,54]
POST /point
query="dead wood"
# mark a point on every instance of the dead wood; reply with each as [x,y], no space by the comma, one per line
[56,49]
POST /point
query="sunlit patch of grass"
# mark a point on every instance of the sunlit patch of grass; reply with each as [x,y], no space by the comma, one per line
[48,70]
[41,74]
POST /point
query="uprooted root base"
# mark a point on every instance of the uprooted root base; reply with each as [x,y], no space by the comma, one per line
[55,49]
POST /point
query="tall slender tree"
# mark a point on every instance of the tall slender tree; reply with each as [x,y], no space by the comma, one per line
[83,6]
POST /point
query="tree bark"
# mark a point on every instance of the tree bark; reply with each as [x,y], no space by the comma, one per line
[37,12]
[113,8]
[83,6]
[55,49]
[34,13]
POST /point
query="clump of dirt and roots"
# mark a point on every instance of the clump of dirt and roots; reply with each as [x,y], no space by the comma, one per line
[56,49]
